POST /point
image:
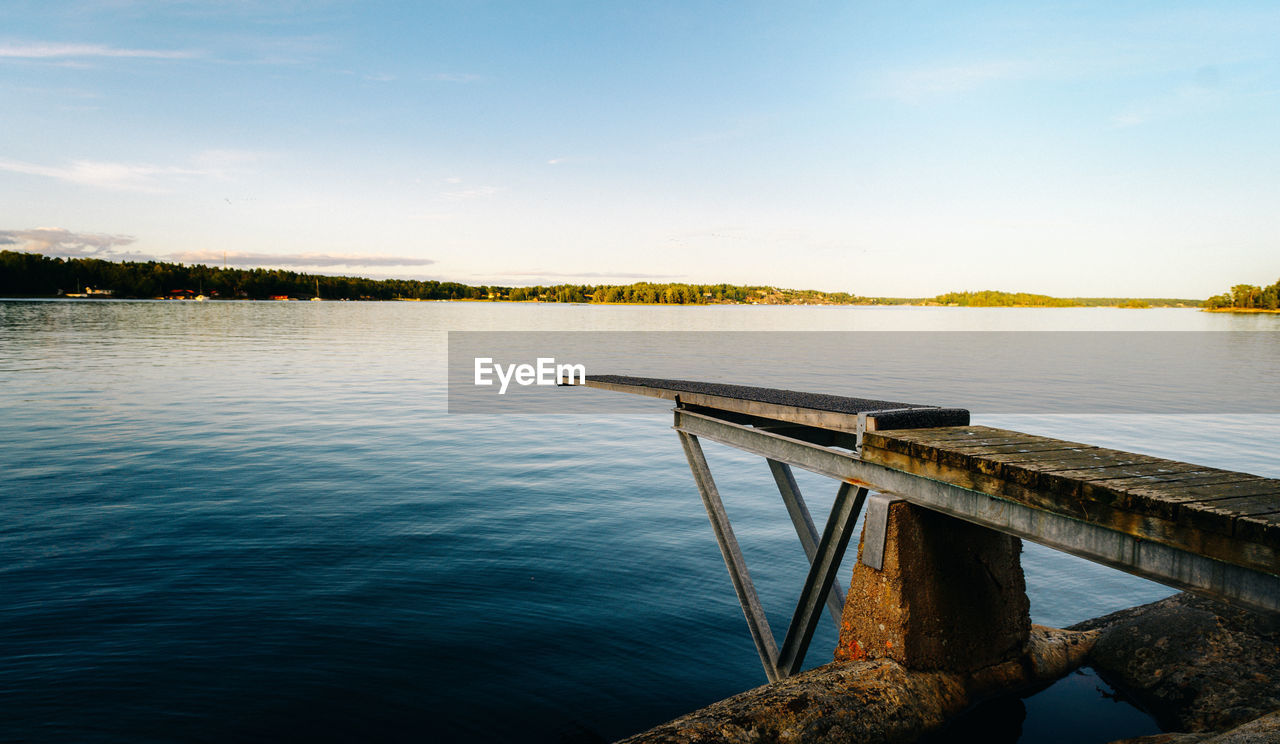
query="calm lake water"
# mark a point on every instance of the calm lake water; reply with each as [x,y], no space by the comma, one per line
[256,522]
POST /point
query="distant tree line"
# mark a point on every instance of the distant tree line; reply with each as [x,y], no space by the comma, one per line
[34,275]
[1247,297]
[992,298]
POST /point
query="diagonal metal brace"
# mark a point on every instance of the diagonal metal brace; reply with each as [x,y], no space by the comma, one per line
[827,552]
[822,574]
[805,528]
[733,560]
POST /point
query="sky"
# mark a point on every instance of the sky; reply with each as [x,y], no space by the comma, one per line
[891,149]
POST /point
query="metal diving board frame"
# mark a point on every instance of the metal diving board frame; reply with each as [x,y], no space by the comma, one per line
[1190,527]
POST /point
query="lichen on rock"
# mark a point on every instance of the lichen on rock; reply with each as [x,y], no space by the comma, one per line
[1195,664]
[876,700]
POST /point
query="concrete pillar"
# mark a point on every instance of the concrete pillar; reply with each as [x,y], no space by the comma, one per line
[950,596]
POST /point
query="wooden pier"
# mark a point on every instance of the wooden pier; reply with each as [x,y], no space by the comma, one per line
[1203,529]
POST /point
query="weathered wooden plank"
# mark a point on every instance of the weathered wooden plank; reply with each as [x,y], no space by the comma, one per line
[980,460]
[947,432]
[1210,491]
[1054,474]
[976,448]
[1224,513]
[1114,475]
[1085,476]
[1129,493]
[922,440]
[952,434]
[1066,474]
[1000,447]
[1263,528]
[1171,499]
[1071,475]
[1243,505]
[1191,476]
[1189,563]
[944,438]
[1263,555]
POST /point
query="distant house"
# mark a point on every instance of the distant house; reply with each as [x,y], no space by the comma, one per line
[181,294]
[280,298]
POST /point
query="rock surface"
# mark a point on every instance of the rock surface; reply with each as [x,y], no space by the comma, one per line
[871,700]
[1264,730]
[1195,664]
[1202,668]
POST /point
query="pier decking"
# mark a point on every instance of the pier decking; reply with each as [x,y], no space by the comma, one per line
[1199,528]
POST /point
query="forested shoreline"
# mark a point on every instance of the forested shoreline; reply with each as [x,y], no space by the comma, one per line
[34,275]
[1246,297]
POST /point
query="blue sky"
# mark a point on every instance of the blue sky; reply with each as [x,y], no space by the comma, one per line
[1077,148]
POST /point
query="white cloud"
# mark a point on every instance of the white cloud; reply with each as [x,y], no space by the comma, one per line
[53,50]
[1202,95]
[57,241]
[940,80]
[224,163]
[480,192]
[453,77]
[142,177]
[296,260]
[585,275]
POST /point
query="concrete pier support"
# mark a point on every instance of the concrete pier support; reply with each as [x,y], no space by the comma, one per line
[950,595]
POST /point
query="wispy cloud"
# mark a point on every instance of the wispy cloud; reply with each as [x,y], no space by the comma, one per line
[295,260]
[119,176]
[454,77]
[584,275]
[276,50]
[227,162]
[1204,93]
[143,177]
[479,192]
[57,241]
[918,83]
[55,50]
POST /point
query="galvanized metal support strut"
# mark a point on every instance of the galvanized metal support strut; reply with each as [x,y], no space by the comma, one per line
[1095,542]
[1192,527]
[805,528]
[825,552]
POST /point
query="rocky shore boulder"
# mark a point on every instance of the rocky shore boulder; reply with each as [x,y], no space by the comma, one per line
[1195,664]
[1264,730]
[876,700]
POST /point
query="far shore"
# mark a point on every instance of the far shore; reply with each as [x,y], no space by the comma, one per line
[888,302]
[1241,310]
[470,300]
